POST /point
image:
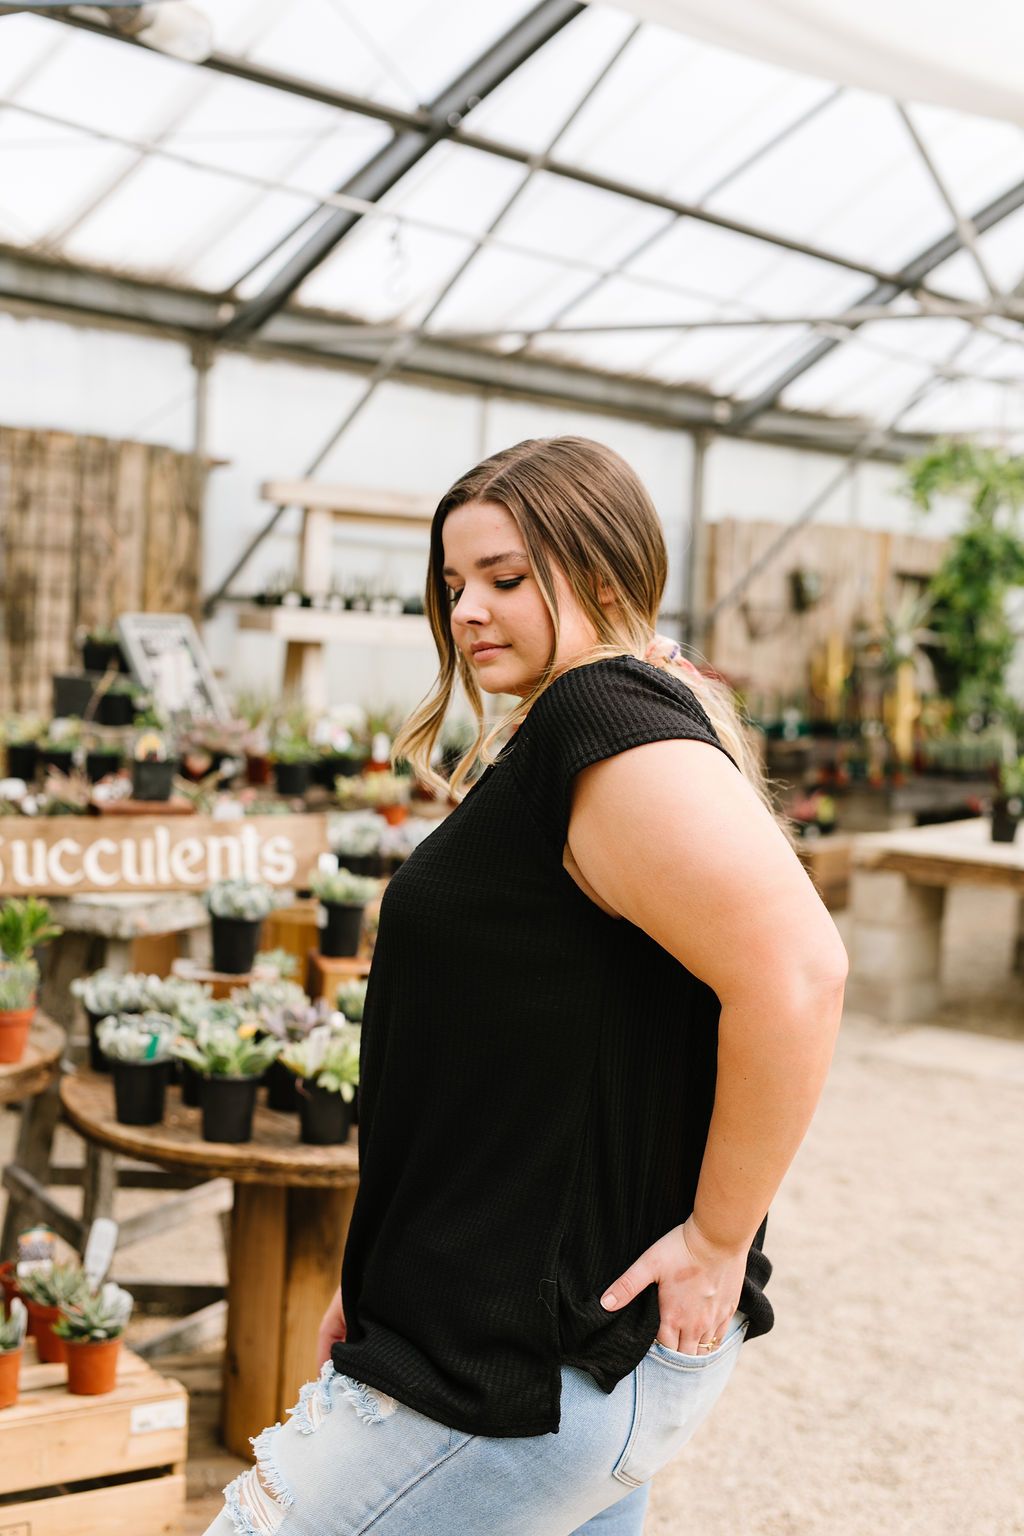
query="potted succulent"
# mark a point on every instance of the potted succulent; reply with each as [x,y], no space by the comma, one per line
[12,1338]
[327,1064]
[293,758]
[116,703]
[24,925]
[289,1022]
[139,1048]
[230,1060]
[45,1291]
[190,1015]
[101,650]
[102,758]
[384,792]
[343,898]
[19,980]
[1008,804]
[57,748]
[108,992]
[153,767]
[20,735]
[91,1328]
[355,837]
[237,909]
[351,999]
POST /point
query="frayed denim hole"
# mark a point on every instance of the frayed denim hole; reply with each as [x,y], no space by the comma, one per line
[372,1406]
[257,1500]
[314,1402]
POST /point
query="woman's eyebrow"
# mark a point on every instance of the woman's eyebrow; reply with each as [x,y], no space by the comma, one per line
[486,561]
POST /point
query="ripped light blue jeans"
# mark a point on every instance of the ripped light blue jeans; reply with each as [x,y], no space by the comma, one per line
[352,1460]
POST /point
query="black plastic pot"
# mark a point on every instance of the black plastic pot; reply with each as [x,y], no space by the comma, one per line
[139,1090]
[281,1090]
[97,656]
[326,769]
[235,941]
[292,778]
[152,780]
[61,758]
[362,863]
[190,1080]
[324,1117]
[340,934]
[97,1060]
[1004,819]
[22,760]
[99,764]
[227,1104]
[115,709]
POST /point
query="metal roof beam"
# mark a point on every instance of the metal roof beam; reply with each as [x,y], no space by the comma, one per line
[883,294]
[406,150]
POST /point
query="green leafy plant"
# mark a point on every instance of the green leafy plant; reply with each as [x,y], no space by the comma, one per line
[24,925]
[137,1036]
[355,834]
[351,999]
[328,1057]
[248,900]
[12,1328]
[220,1050]
[340,887]
[1011,778]
[54,1287]
[294,749]
[19,980]
[19,729]
[984,560]
[262,996]
[281,962]
[96,1316]
[374,790]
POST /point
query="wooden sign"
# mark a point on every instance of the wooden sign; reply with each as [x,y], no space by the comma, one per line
[94,855]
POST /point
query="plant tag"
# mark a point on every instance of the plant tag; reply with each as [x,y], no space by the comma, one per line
[146,1418]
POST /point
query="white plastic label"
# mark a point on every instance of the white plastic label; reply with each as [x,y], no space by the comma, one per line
[147,1417]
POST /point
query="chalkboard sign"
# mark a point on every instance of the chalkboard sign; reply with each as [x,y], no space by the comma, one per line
[169,660]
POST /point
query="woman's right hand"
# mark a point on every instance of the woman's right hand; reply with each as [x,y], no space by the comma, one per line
[332,1329]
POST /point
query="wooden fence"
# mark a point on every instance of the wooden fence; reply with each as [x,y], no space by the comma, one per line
[89,528]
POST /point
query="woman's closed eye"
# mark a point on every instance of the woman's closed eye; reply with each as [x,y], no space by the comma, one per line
[502,586]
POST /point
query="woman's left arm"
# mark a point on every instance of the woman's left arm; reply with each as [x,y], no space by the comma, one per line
[673,838]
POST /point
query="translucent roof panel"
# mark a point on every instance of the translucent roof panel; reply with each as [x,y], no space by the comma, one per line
[403,53]
[124,159]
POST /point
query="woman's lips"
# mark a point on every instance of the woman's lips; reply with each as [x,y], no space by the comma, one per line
[486,652]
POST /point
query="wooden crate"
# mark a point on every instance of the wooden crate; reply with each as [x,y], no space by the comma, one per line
[323,975]
[111,1464]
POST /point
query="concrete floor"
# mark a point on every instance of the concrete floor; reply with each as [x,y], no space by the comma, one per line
[887,1399]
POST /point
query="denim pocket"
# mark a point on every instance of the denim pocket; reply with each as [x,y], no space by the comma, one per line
[673,1395]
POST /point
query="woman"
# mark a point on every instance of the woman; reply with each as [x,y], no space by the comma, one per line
[601,1010]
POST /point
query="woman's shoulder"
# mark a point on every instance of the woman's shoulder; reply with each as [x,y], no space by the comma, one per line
[615,689]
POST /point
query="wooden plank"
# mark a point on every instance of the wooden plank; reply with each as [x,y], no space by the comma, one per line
[317,1229]
[98,555]
[73,855]
[360,503]
[152,1506]
[256,1296]
[316,626]
[170,577]
[52,1436]
[128,516]
[274,1156]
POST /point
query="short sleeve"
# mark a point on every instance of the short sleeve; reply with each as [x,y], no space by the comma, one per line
[592,712]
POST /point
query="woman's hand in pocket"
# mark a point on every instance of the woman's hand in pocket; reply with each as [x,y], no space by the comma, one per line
[332,1328]
[698,1287]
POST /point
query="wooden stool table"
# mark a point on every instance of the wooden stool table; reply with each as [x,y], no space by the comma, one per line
[289,1221]
[33,1080]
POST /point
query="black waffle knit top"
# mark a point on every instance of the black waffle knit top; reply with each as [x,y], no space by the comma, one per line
[537,1080]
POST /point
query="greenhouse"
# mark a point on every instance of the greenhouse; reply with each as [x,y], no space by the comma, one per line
[424,430]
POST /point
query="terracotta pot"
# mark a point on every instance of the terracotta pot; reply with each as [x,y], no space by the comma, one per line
[48,1345]
[10,1366]
[92,1367]
[394,815]
[14,1028]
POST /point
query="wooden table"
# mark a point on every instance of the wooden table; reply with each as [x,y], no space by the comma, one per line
[289,1221]
[898,894]
[39,1065]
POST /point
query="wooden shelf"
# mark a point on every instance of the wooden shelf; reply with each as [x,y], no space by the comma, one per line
[318,626]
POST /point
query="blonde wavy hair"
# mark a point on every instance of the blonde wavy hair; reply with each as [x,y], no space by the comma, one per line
[579,506]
